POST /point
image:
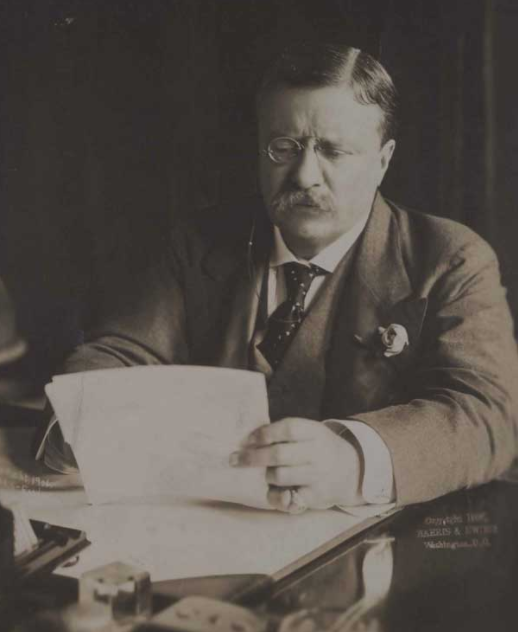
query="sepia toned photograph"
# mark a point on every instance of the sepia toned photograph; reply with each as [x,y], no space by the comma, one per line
[258,315]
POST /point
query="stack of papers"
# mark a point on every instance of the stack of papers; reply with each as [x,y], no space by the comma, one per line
[149,433]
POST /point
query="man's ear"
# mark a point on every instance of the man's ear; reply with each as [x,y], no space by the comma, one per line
[385,156]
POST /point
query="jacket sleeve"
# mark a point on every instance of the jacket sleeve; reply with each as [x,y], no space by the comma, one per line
[141,324]
[138,324]
[459,427]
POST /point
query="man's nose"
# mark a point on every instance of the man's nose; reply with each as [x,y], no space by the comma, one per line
[306,171]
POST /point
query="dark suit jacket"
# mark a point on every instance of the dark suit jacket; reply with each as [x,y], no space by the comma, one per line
[446,407]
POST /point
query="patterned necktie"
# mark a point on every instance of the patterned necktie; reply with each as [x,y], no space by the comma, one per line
[287,318]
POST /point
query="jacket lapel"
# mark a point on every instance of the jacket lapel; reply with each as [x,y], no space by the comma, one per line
[206,289]
[242,320]
[379,294]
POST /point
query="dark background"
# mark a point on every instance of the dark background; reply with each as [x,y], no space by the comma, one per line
[117,115]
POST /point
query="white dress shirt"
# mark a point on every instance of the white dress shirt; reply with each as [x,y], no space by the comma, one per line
[377,486]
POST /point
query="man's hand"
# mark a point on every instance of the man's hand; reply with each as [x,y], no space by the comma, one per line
[324,467]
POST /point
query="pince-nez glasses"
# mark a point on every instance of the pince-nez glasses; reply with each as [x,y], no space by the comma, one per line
[284,150]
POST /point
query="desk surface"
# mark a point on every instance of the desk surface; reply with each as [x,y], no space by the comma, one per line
[447,565]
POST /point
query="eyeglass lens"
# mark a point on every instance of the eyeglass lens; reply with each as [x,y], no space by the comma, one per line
[284,149]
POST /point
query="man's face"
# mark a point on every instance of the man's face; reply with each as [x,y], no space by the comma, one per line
[320,194]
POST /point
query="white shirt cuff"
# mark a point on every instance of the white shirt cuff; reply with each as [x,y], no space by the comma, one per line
[377,487]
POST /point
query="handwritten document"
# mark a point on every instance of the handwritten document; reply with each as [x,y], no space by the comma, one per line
[145,433]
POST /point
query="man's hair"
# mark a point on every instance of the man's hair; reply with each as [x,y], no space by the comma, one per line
[317,65]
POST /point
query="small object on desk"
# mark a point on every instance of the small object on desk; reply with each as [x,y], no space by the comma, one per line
[124,590]
[55,545]
[202,614]
[29,547]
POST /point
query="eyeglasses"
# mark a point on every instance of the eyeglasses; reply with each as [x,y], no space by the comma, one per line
[284,149]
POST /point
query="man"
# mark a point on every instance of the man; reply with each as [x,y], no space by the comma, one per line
[384,335]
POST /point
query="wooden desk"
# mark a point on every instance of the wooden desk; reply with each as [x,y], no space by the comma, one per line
[450,565]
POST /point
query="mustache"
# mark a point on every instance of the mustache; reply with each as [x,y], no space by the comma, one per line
[286,200]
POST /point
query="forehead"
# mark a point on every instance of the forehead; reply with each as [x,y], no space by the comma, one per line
[330,112]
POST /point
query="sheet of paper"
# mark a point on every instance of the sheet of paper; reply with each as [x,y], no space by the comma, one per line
[147,432]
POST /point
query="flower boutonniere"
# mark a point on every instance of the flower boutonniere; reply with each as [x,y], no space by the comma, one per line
[386,342]
[394,339]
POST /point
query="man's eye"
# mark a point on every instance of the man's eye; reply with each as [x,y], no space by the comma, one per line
[333,153]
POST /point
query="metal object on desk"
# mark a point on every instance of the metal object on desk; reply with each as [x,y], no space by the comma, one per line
[56,545]
[124,590]
[30,551]
[29,547]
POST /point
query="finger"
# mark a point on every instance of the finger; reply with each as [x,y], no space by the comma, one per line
[289,476]
[290,429]
[286,454]
[280,498]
